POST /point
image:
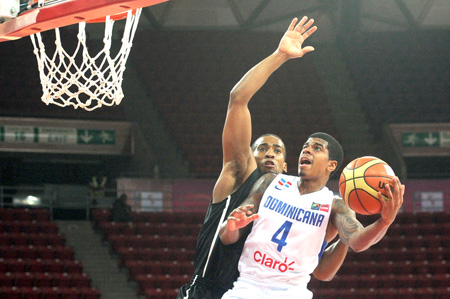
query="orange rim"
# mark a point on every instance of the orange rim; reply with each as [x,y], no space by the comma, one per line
[116,17]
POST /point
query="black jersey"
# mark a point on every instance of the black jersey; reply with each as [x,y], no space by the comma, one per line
[215,264]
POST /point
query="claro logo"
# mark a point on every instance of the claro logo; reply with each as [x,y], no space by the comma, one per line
[263,259]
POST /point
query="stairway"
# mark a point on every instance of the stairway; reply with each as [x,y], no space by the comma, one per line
[103,268]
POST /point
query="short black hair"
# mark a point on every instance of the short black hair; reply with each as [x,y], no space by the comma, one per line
[335,151]
[274,135]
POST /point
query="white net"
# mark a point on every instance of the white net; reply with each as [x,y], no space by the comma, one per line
[89,82]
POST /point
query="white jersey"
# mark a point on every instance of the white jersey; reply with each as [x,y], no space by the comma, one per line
[284,244]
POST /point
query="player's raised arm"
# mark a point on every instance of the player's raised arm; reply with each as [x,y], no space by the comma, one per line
[236,138]
[237,222]
[360,238]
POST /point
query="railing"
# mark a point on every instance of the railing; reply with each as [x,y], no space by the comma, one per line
[69,202]
[54,198]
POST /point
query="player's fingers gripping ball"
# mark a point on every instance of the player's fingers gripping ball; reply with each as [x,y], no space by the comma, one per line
[360,182]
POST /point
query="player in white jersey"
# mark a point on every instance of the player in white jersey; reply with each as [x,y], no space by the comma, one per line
[216,265]
[292,216]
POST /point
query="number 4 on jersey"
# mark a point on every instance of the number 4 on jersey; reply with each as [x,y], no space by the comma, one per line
[283,231]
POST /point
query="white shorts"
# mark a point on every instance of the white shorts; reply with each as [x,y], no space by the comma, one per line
[247,288]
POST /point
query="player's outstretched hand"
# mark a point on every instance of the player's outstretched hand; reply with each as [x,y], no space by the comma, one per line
[391,206]
[241,217]
[292,40]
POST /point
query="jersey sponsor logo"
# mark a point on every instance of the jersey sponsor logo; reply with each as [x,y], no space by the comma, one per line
[320,207]
[295,213]
[267,261]
[282,184]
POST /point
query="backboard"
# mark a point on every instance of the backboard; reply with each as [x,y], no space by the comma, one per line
[64,13]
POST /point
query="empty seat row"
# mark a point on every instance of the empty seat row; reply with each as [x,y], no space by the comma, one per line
[152,241]
[385,293]
[40,265]
[147,282]
[13,214]
[28,279]
[164,229]
[36,239]
[104,215]
[386,281]
[45,227]
[159,293]
[402,254]
[155,254]
[414,241]
[381,267]
[141,267]
[415,229]
[13,292]
[35,252]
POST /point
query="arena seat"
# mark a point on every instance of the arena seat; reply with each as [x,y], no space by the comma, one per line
[409,261]
[159,252]
[35,261]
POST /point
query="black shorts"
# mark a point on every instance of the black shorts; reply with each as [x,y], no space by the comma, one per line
[201,289]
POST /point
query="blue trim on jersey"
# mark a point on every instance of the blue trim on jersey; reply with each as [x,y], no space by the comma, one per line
[324,245]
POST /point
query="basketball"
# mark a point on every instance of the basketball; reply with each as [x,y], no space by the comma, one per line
[360,182]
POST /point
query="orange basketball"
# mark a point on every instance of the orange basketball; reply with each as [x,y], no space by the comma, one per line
[360,182]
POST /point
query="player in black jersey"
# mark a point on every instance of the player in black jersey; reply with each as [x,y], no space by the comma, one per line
[215,265]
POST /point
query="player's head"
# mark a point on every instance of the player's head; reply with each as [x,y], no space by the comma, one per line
[321,154]
[270,154]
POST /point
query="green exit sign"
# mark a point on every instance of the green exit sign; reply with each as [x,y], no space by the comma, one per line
[426,139]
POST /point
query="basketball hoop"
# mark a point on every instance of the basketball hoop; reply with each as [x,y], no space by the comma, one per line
[94,82]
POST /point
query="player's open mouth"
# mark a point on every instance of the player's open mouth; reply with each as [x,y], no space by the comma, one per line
[269,164]
[305,161]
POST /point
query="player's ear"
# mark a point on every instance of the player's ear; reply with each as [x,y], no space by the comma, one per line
[285,167]
[332,164]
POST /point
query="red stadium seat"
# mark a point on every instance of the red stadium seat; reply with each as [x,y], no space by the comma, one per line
[29,252]
[61,280]
[7,279]
[146,228]
[70,293]
[156,267]
[46,253]
[43,280]
[55,265]
[16,265]
[147,282]
[9,252]
[152,293]
[10,292]
[64,253]
[23,279]
[50,293]
[80,280]
[90,293]
[6,214]
[73,266]
[30,292]
[405,281]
